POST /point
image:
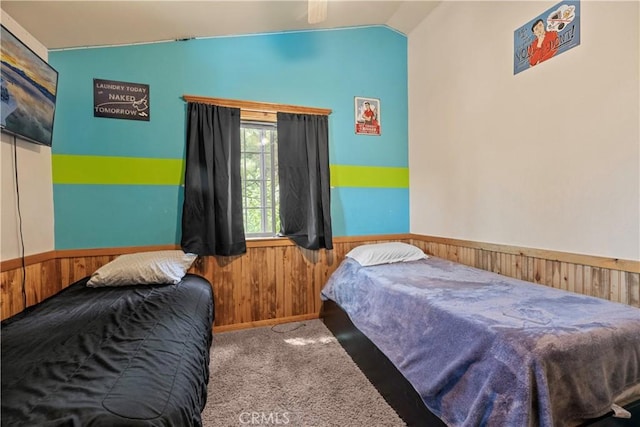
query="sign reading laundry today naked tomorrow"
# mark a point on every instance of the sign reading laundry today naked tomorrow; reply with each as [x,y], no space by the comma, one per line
[120,100]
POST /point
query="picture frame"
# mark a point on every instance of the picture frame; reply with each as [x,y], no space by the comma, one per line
[547,35]
[367,116]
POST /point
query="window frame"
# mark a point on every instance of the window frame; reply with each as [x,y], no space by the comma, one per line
[259,112]
[264,208]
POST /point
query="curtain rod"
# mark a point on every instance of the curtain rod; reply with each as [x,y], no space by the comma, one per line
[267,107]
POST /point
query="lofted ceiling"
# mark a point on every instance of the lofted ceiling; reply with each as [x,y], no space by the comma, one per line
[68,24]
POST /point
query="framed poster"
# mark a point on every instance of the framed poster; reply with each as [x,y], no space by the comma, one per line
[121,100]
[367,116]
[549,34]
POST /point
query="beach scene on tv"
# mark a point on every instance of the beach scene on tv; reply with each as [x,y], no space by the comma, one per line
[28,92]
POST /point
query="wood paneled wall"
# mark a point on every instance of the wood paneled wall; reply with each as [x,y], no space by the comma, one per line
[275,281]
[48,273]
[608,278]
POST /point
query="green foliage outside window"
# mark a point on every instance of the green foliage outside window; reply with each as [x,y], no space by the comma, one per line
[259,170]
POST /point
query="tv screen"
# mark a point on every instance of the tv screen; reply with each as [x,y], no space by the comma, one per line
[28,94]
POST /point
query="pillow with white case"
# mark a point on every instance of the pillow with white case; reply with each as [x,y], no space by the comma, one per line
[386,253]
[143,268]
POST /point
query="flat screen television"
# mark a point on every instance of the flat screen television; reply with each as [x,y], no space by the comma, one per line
[29,87]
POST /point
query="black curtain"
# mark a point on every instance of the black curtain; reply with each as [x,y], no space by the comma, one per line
[212,210]
[303,170]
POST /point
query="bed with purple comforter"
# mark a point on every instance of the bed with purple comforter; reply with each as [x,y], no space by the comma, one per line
[485,349]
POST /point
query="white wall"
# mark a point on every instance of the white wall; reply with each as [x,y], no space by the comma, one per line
[34,182]
[548,158]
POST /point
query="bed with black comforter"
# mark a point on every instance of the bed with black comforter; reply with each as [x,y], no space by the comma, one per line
[111,356]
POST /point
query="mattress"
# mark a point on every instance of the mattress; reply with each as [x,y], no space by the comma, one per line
[484,349]
[114,356]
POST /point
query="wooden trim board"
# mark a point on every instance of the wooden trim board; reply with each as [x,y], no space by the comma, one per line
[592,260]
[257,107]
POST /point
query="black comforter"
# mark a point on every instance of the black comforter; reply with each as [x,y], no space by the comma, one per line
[129,356]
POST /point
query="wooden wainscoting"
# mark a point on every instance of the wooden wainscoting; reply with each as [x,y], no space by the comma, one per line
[276,281]
[41,280]
[613,279]
[48,273]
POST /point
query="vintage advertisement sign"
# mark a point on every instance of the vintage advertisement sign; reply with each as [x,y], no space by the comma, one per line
[120,100]
[367,113]
[549,34]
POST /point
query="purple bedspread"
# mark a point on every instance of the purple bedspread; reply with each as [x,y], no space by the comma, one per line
[487,350]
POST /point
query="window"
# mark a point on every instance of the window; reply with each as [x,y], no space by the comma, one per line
[259,161]
[259,172]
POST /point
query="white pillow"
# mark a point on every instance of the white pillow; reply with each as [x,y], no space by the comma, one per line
[143,268]
[386,253]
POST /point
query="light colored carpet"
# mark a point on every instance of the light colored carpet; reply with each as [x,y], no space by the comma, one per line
[295,374]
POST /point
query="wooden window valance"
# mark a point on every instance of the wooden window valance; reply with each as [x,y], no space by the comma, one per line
[257,111]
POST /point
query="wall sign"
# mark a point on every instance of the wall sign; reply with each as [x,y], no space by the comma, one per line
[367,113]
[120,100]
[547,35]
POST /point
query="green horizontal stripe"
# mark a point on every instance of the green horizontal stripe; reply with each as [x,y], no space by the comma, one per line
[69,169]
[369,176]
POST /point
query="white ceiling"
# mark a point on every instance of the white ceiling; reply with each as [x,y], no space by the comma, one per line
[65,24]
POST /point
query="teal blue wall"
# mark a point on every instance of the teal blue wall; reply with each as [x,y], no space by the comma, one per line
[325,69]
